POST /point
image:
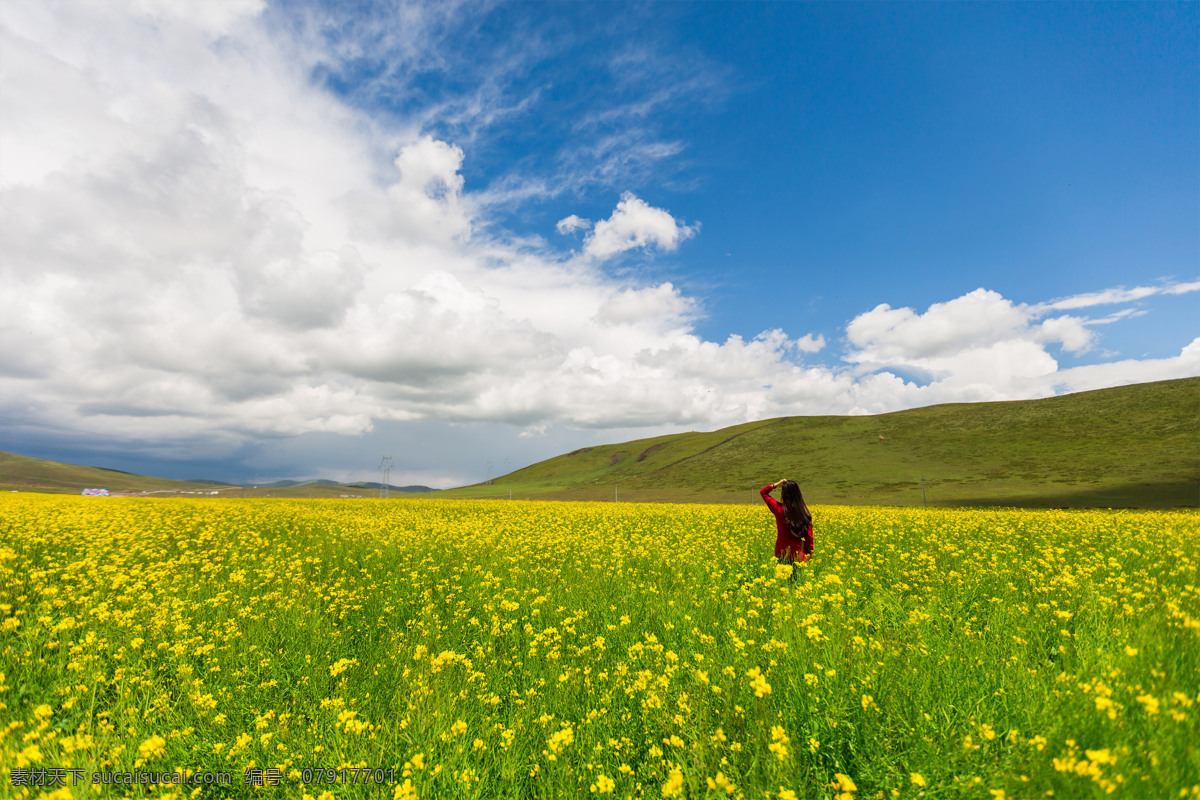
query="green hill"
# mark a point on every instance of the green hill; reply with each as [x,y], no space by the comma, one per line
[1130,446]
[25,474]
[22,473]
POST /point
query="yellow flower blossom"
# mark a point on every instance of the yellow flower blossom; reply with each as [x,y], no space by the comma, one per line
[758,682]
[341,665]
[153,747]
[722,783]
[673,785]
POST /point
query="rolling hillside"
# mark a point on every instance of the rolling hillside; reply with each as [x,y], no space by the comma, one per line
[22,473]
[25,474]
[1131,446]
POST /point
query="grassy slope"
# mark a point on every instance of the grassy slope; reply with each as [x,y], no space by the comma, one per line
[22,473]
[1131,446]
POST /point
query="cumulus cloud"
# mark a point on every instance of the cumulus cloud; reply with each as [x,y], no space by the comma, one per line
[1117,373]
[982,346]
[422,204]
[231,255]
[635,223]
[982,327]
[569,225]
[886,335]
[657,304]
[810,344]
[1071,332]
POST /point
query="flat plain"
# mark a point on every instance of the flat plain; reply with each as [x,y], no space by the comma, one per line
[487,648]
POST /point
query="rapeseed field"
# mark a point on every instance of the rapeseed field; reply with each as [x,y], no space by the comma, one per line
[491,649]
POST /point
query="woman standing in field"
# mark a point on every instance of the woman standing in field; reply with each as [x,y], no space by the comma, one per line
[793,522]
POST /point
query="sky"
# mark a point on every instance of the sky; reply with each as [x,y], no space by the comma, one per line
[245,240]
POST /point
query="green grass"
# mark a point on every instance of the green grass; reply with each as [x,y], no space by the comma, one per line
[1131,446]
[22,473]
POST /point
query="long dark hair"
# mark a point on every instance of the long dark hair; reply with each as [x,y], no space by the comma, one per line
[794,510]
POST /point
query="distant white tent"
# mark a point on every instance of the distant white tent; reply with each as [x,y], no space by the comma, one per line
[95,493]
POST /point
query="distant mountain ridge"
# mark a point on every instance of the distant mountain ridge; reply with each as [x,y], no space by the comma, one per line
[285,483]
[416,488]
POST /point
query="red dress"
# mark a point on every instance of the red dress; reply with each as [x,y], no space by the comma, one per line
[787,545]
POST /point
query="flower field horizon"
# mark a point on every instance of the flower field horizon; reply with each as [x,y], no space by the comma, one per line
[488,648]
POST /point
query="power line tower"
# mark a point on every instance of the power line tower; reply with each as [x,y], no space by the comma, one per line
[385,465]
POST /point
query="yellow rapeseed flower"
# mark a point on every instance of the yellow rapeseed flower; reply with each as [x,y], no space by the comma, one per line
[341,665]
[153,747]
[673,784]
[758,682]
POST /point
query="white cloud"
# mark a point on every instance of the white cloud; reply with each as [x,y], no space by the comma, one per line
[231,255]
[1068,331]
[1117,295]
[573,223]
[635,223]
[1120,373]
[888,335]
[810,344]
[655,305]
[1117,316]
[423,204]
[215,19]
[1182,288]
[952,339]
[982,346]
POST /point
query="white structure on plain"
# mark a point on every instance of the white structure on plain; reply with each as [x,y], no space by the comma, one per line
[385,464]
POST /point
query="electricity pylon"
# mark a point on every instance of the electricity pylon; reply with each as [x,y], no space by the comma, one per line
[385,464]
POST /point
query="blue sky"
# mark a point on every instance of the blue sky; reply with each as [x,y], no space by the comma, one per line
[918,150]
[297,236]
